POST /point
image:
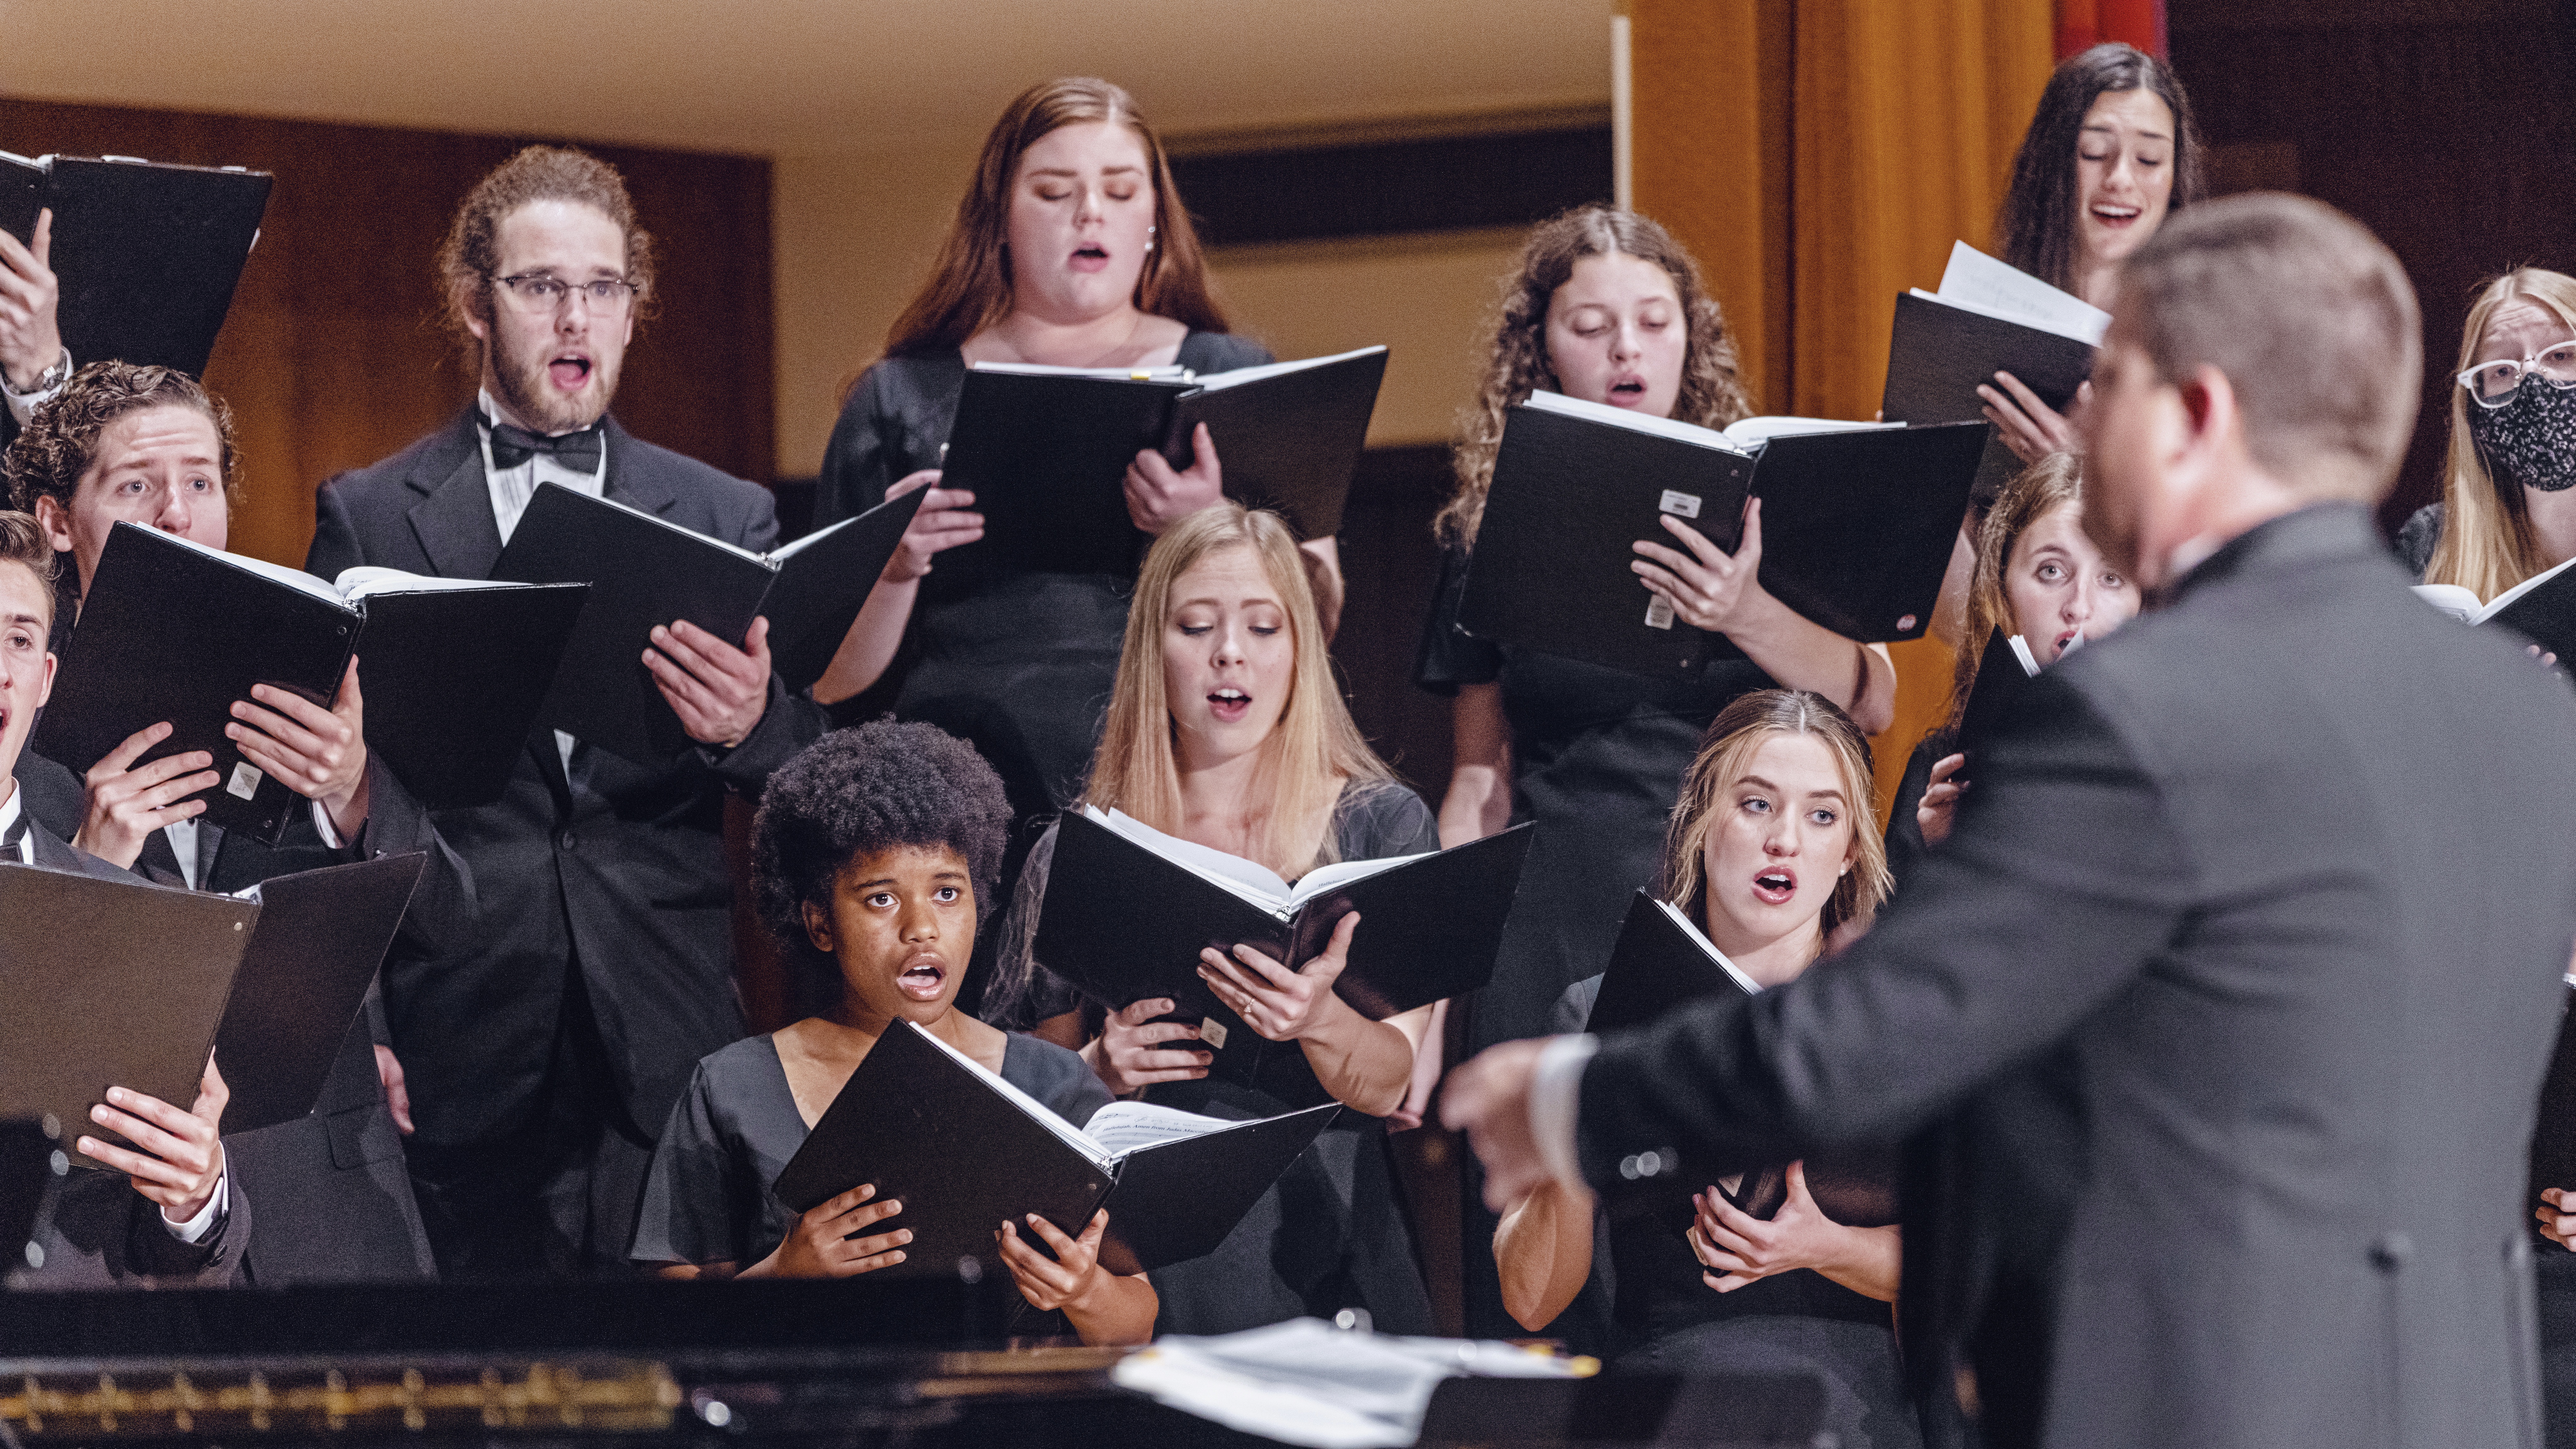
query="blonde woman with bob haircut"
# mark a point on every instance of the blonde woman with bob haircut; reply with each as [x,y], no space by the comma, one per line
[2508,508]
[1226,728]
[1770,848]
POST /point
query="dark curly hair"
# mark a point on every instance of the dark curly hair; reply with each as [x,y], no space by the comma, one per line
[860,790]
[61,440]
[470,259]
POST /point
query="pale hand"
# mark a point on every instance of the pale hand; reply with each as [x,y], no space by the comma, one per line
[320,754]
[1065,1280]
[1132,1050]
[946,520]
[719,692]
[181,1156]
[389,1073]
[2031,428]
[2557,1215]
[1940,803]
[1705,586]
[30,299]
[1489,1100]
[1159,495]
[1274,1001]
[1737,1247]
[122,804]
[820,1245]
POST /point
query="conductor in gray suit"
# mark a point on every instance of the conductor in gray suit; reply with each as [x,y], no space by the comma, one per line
[2283,872]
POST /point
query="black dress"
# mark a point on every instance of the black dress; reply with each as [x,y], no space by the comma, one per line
[707,1197]
[1329,1234]
[1667,1321]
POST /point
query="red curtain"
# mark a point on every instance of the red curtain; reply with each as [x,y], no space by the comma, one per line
[2082,24]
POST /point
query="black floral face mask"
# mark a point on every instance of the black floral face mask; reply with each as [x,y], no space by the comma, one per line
[2531,440]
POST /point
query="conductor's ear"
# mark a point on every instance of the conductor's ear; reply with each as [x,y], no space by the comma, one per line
[818,926]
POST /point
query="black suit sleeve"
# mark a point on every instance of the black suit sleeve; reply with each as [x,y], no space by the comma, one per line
[335,538]
[2061,880]
[440,917]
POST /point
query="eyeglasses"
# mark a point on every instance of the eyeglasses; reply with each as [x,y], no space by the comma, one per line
[540,292]
[2493,384]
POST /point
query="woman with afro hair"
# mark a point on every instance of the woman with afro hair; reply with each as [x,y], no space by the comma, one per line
[870,853]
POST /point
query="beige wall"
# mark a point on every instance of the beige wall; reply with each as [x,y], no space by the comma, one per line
[854,232]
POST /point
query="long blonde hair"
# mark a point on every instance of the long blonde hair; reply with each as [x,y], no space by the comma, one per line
[1726,752]
[2487,545]
[2037,491]
[1712,392]
[1308,759]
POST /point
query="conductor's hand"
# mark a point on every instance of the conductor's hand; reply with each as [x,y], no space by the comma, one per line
[1489,1100]
[1737,1247]
[1133,1048]
[389,1074]
[177,1159]
[821,1244]
[30,297]
[2557,1215]
[1274,1001]
[1705,586]
[122,803]
[320,754]
[1068,1279]
[2031,428]
[1158,496]
[943,523]
[1941,801]
[718,691]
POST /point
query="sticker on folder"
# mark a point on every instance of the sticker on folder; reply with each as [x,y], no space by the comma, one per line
[1659,613]
[1685,505]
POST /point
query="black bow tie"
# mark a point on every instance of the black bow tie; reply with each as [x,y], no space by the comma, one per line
[514,446]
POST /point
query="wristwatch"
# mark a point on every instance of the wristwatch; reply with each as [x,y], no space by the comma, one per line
[50,380]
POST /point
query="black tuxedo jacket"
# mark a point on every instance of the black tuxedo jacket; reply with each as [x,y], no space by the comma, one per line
[102,1233]
[336,1199]
[2285,871]
[618,869]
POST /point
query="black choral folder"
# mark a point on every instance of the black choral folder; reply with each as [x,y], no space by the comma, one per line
[1940,355]
[1123,922]
[2542,609]
[1661,961]
[963,1154]
[646,572]
[176,631]
[1046,450]
[1857,529]
[321,935]
[147,254]
[2002,671]
[111,984]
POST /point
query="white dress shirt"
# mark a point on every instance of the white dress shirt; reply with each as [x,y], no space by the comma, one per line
[23,405]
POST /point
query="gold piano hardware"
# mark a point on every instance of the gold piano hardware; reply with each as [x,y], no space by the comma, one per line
[547,1397]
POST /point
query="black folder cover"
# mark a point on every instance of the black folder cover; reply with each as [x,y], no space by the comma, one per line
[2546,616]
[644,572]
[178,633]
[1857,527]
[2553,1137]
[963,1158]
[1657,965]
[2000,679]
[111,984]
[1122,923]
[147,254]
[320,937]
[1046,456]
[1939,355]
[1550,570]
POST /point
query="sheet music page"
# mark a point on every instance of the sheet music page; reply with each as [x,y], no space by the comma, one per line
[1981,281]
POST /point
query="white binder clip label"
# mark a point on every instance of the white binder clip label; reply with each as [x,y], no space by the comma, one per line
[1212,1031]
[1684,504]
[1659,613]
[245,781]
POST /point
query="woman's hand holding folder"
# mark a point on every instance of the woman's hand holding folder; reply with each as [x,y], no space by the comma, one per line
[1135,1051]
[1365,1065]
[826,1241]
[1160,495]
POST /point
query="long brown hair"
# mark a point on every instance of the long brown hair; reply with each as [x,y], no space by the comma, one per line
[1313,754]
[2039,490]
[469,260]
[2487,545]
[1712,393]
[1726,751]
[969,288]
[2035,227]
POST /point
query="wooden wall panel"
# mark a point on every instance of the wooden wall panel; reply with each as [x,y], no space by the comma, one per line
[334,356]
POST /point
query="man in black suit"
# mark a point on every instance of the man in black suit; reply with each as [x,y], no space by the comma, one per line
[544,1053]
[2283,869]
[150,446]
[175,1216]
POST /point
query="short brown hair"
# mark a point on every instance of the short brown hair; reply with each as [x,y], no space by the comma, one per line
[2311,319]
[61,440]
[1516,363]
[22,542]
[969,288]
[469,261]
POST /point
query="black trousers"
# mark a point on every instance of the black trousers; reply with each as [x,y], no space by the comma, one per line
[558,1197]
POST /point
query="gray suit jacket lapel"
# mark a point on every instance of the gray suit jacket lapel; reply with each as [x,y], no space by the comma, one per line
[454,522]
[628,484]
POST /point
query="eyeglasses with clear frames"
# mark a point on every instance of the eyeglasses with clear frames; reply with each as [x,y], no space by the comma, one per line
[537,292]
[2493,384]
